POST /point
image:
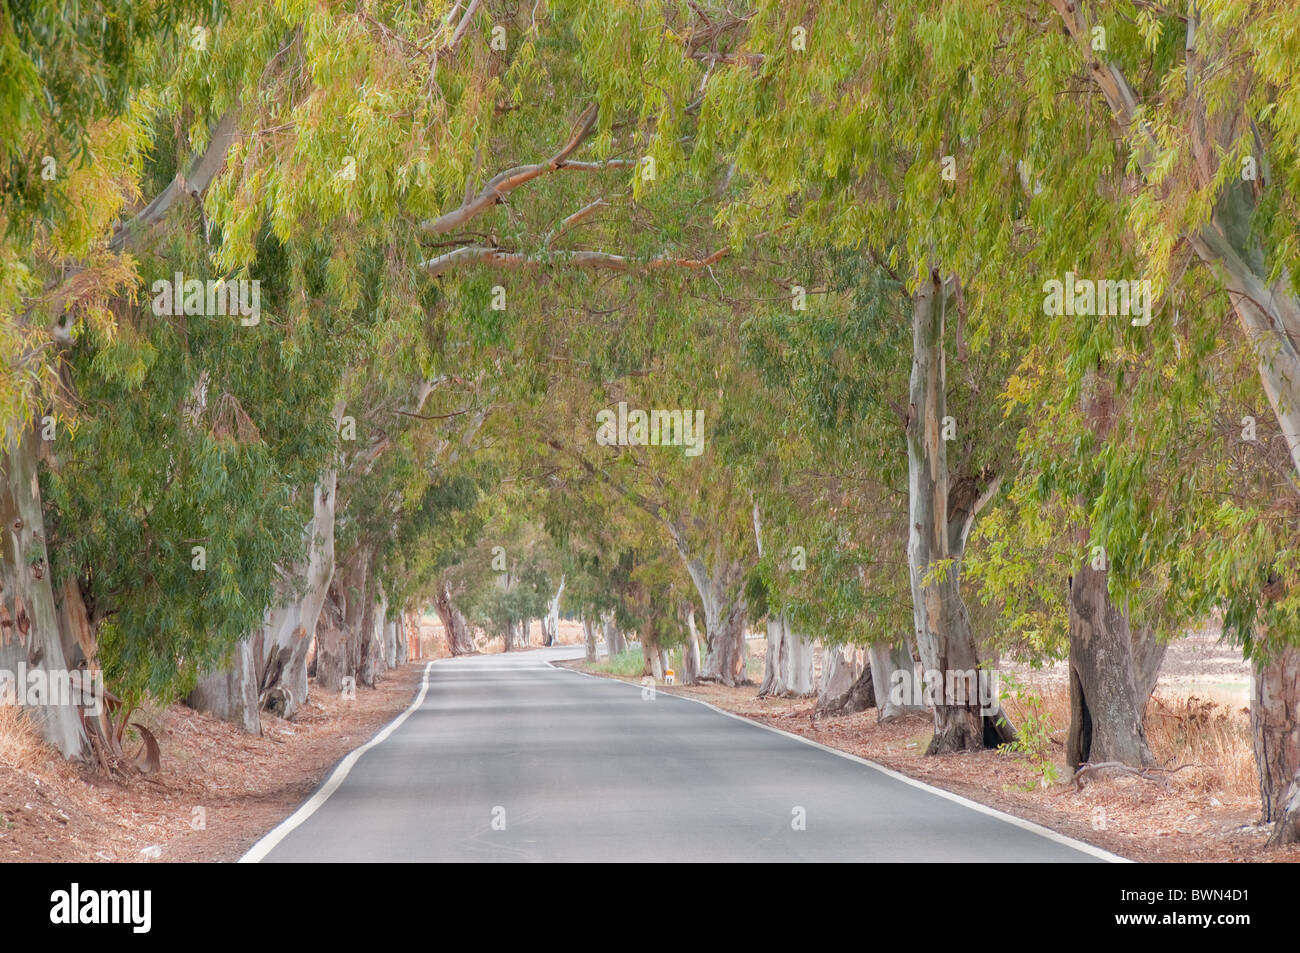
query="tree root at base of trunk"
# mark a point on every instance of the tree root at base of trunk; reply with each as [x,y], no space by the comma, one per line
[1087,771]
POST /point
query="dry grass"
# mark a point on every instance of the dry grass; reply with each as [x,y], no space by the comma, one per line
[1209,734]
[19,743]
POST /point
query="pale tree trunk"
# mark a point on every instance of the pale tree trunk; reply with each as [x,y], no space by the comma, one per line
[290,628]
[875,686]
[1105,705]
[551,624]
[370,670]
[858,696]
[724,622]
[777,662]
[615,643]
[338,637]
[892,669]
[839,671]
[589,639]
[402,640]
[1268,311]
[391,628]
[788,668]
[799,680]
[937,533]
[29,625]
[691,653]
[459,639]
[1275,730]
[231,693]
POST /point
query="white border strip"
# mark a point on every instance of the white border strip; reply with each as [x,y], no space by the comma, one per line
[1039,829]
[258,851]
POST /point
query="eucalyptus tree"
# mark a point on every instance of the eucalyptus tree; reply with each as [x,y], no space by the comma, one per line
[71,155]
[910,129]
[1181,108]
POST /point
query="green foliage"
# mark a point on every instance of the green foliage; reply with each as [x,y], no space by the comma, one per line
[1034,729]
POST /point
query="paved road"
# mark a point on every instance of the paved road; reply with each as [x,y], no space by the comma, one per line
[584,769]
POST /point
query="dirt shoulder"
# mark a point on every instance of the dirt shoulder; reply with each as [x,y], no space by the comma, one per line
[219,789]
[1198,816]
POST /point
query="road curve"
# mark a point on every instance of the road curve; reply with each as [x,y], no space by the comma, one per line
[507,758]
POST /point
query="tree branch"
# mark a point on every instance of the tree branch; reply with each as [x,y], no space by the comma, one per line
[506,182]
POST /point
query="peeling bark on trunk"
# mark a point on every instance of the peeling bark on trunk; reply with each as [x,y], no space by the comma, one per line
[690,673]
[938,527]
[459,639]
[724,623]
[290,628]
[839,671]
[788,667]
[338,636]
[1275,731]
[859,696]
[29,624]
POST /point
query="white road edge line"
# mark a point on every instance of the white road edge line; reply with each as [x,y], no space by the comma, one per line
[1082,846]
[258,851]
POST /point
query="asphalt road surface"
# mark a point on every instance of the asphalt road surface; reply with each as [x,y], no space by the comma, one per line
[510,759]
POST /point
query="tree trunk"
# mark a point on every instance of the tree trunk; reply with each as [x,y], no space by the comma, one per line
[1148,655]
[777,662]
[1105,707]
[1105,704]
[615,643]
[459,639]
[937,532]
[231,692]
[339,635]
[650,652]
[370,668]
[29,625]
[551,624]
[290,628]
[589,638]
[1275,730]
[724,623]
[788,667]
[839,671]
[691,653]
[892,669]
[859,696]
[1269,313]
